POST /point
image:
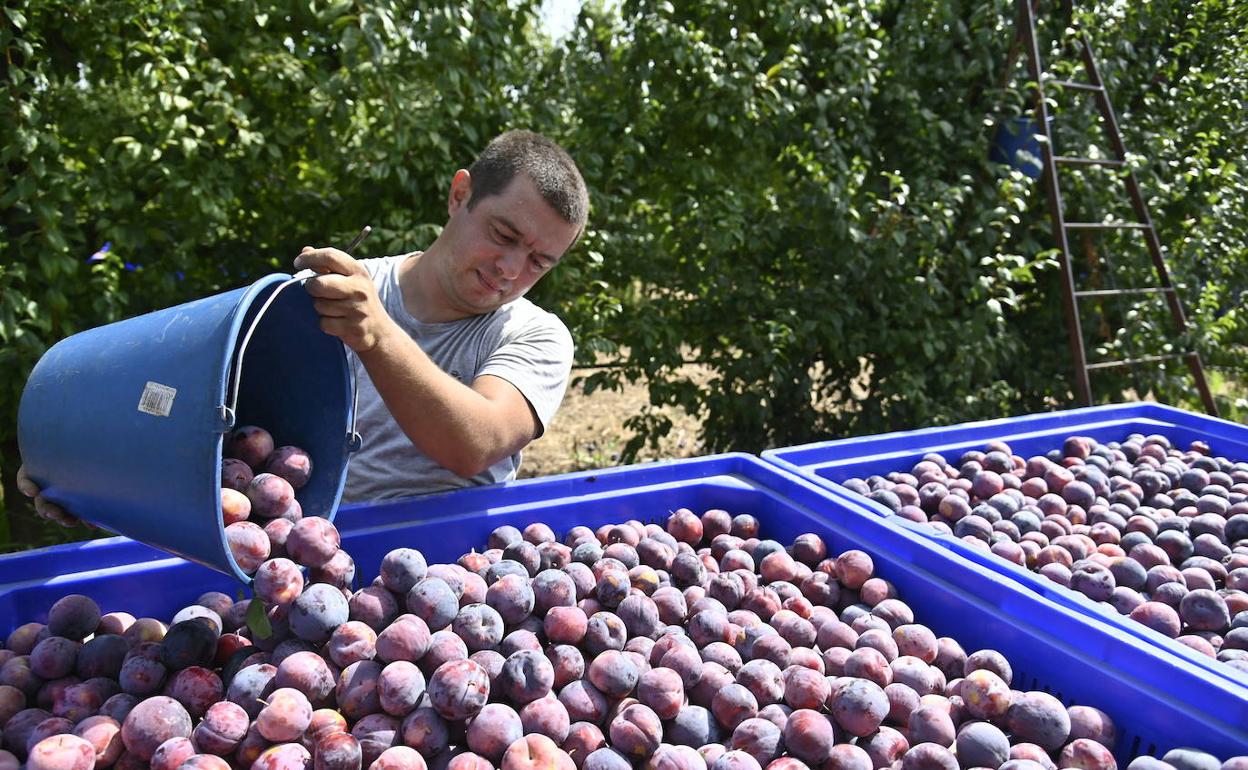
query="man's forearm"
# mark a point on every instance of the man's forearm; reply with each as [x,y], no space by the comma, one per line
[453,424]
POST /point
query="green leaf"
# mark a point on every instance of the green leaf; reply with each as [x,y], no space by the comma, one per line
[258,619]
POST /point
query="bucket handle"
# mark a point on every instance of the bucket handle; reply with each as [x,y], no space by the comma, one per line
[228,412]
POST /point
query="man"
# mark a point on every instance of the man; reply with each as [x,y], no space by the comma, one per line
[463,372]
[460,372]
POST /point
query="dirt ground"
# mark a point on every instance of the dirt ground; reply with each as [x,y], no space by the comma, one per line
[588,433]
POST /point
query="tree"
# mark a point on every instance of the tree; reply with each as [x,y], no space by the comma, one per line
[206,144]
[798,195]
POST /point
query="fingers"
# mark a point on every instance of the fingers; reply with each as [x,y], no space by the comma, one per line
[326,261]
[24,483]
[358,337]
[328,308]
[64,519]
[53,512]
[337,327]
[333,287]
[43,508]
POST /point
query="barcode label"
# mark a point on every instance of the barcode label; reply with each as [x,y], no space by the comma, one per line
[157,399]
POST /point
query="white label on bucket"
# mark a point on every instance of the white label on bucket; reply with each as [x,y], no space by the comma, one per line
[157,399]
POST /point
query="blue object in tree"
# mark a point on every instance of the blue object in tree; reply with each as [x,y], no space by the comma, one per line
[100,253]
[1013,138]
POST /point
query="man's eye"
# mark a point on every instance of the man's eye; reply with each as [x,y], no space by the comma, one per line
[501,237]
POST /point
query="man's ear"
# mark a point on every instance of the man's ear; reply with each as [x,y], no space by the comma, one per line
[461,191]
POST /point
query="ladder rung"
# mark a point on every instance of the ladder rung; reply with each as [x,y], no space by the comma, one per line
[1119,292]
[1074,86]
[1133,361]
[1069,161]
[1107,226]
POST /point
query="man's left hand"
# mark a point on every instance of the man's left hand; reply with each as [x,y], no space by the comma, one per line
[43,508]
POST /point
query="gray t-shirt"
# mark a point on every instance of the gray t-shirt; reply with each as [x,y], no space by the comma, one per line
[519,342]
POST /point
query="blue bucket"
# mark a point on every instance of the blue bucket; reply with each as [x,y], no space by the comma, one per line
[1015,135]
[122,425]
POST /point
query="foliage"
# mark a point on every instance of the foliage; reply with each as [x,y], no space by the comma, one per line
[796,194]
[207,143]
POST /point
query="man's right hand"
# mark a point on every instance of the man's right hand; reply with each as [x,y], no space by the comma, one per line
[45,509]
[345,297]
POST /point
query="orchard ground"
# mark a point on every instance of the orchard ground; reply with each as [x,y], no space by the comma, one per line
[588,432]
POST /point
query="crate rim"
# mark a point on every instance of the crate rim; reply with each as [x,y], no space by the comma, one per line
[1027,426]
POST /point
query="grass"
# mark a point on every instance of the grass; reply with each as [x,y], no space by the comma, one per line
[1230,392]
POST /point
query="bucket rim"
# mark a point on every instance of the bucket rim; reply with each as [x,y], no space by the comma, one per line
[265,286]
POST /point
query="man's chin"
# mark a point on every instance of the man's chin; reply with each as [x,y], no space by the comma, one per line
[493,302]
[480,307]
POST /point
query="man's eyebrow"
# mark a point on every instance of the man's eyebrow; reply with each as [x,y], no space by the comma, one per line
[505,222]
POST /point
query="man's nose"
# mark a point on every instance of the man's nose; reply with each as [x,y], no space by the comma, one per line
[510,262]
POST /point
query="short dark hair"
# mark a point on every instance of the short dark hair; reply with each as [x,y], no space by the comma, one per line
[552,170]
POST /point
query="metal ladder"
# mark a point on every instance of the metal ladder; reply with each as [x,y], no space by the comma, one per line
[1026,37]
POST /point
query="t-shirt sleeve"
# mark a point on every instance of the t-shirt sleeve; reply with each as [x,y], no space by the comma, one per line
[537,359]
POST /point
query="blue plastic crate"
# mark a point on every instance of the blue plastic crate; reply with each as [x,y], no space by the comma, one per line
[826,461]
[832,462]
[1156,703]
[60,561]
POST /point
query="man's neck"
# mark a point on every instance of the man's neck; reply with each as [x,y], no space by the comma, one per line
[417,287]
[423,296]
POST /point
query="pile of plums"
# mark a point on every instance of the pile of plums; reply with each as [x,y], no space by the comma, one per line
[690,646]
[1159,534]
[265,528]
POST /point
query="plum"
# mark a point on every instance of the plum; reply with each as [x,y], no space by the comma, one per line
[1039,718]
[495,727]
[459,689]
[533,752]
[152,722]
[249,443]
[290,463]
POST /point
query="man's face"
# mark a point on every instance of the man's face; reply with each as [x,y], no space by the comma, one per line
[501,246]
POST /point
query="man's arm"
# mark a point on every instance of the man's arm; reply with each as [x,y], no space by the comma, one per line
[464,429]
